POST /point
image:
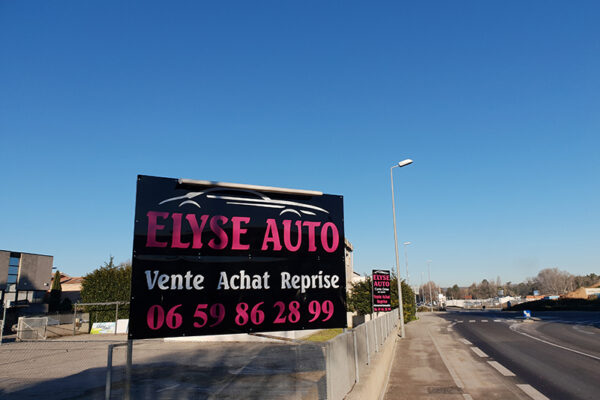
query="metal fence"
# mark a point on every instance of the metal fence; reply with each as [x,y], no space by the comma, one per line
[74,367]
[348,355]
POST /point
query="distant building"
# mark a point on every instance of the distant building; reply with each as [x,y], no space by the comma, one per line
[348,249]
[356,277]
[70,287]
[584,292]
[24,280]
[24,277]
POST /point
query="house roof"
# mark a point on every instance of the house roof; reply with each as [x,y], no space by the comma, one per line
[68,280]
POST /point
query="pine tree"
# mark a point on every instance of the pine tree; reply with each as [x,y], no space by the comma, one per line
[55,293]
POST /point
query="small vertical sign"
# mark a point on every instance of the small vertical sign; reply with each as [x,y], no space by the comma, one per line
[382,299]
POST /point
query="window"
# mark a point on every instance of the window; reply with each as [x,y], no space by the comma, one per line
[13,271]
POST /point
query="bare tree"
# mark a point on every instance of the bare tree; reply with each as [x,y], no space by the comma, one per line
[554,281]
[424,291]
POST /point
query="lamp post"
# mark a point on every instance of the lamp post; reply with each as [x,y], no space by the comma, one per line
[406,262]
[407,275]
[400,165]
[429,273]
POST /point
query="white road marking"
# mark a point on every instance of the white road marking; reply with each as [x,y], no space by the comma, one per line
[471,320]
[450,330]
[513,328]
[578,328]
[467,396]
[484,320]
[497,320]
[531,392]
[460,321]
[465,341]
[501,368]
[478,351]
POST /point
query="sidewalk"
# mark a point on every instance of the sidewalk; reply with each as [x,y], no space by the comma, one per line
[430,363]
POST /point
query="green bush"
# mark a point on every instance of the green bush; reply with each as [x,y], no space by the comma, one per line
[108,283]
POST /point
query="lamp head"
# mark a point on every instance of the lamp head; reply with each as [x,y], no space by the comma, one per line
[406,162]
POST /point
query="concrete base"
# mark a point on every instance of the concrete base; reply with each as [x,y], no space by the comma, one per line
[372,384]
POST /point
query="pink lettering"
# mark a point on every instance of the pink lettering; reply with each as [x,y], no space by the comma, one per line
[335,234]
[197,230]
[271,236]
[287,228]
[153,227]
[217,230]
[177,232]
[237,232]
[311,234]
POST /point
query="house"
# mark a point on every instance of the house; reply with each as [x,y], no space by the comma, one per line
[70,287]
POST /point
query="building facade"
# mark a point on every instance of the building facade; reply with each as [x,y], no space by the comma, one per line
[24,278]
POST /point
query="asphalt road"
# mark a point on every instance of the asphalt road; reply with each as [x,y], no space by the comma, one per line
[558,353]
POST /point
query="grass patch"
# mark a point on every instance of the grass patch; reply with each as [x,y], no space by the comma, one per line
[324,335]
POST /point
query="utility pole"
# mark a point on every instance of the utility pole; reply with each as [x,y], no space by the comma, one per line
[430,296]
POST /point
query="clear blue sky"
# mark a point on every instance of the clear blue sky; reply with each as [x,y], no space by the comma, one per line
[497,102]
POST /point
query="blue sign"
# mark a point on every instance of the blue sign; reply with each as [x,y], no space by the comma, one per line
[526,313]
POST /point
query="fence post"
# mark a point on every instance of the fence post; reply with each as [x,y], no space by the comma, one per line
[108,373]
[375,335]
[74,317]
[116,317]
[367,335]
[328,377]
[3,321]
[127,394]
[356,374]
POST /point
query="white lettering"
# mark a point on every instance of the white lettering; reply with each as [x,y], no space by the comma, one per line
[242,281]
[306,282]
[173,281]
[151,282]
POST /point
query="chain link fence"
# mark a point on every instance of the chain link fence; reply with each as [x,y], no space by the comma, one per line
[74,367]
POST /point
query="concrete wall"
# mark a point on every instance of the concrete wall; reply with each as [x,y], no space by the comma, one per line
[36,270]
[4,258]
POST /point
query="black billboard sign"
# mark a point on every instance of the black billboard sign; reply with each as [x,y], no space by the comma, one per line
[382,300]
[212,258]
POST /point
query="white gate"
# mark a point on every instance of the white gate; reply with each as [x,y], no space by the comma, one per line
[32,328]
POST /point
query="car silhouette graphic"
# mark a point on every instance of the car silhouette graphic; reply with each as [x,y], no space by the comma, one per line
[243,197]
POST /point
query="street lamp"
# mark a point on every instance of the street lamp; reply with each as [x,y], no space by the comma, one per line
[429,273]
[400,165]
[406,262]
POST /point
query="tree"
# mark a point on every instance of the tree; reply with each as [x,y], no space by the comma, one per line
[472,290]
[55,293]
[424,291]
[109,283]
[359,298]
[453,292]
[554,281]
[586,281]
